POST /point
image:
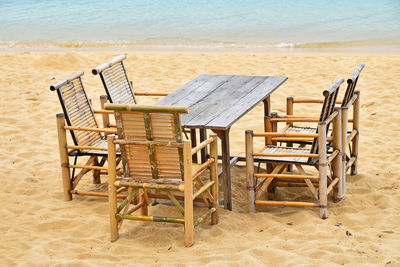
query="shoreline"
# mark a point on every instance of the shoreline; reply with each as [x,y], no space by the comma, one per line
[113,47]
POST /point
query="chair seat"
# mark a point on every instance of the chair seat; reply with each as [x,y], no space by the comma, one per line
[308,130]
[298,129]
[99,143]
[286,150]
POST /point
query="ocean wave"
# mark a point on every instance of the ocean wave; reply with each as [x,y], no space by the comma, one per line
[203,45]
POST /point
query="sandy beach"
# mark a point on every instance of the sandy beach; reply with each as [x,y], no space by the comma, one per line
[38,228]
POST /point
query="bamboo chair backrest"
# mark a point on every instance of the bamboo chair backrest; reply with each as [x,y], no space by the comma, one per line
[115,81]
[77,109]
[153,145]
[328,108]
[351,85]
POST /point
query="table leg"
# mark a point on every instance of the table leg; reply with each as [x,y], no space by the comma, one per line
[226,167]
[203,136]
[267,125]
[267,106]
[194,143]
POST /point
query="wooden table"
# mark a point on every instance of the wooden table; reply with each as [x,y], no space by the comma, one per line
[218,101]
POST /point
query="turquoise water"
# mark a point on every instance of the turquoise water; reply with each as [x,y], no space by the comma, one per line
[277,23]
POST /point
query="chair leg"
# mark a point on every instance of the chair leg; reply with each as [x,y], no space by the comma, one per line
[251,194]
[112,191]
[289,111]
[344,149]
[323,197]
[188,193]
[144,209]
[356,126]
[338,135]
[96,173]
[272,189]
[214,178]
[189,228]
[62,144]
[322,164]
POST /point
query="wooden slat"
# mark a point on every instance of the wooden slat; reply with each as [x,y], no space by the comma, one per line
[220,99]
[78,111]
[117,84]
[243,105]
[194,90]
[206,93]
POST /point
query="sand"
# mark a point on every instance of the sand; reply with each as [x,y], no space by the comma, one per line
[38,228]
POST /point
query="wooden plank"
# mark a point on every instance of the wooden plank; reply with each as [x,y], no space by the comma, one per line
[194,90]
[246,103]
[197,94]
[183,91]
[221,99]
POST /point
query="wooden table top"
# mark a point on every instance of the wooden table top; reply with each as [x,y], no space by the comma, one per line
[218,101]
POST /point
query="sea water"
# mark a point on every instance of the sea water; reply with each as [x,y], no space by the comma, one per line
[276,23]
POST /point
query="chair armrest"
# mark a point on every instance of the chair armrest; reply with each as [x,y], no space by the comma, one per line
[295,119]
[150,94]
[73,147]
[289,136]
[300,117]
[307,101]
[102,111]
[311,101]
[88,129]
[276,134]
[203,144]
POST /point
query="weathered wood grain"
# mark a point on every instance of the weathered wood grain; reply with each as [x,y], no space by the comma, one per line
[217,101]
[243,105]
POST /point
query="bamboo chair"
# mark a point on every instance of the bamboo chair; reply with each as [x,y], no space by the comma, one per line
[280,157]
[158,164]
[88,139]
[119,90]
[116,83]
[350,139]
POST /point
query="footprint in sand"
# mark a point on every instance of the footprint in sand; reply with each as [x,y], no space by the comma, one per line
[368,104]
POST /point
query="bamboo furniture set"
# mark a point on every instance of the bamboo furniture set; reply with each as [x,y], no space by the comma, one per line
[147,155]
